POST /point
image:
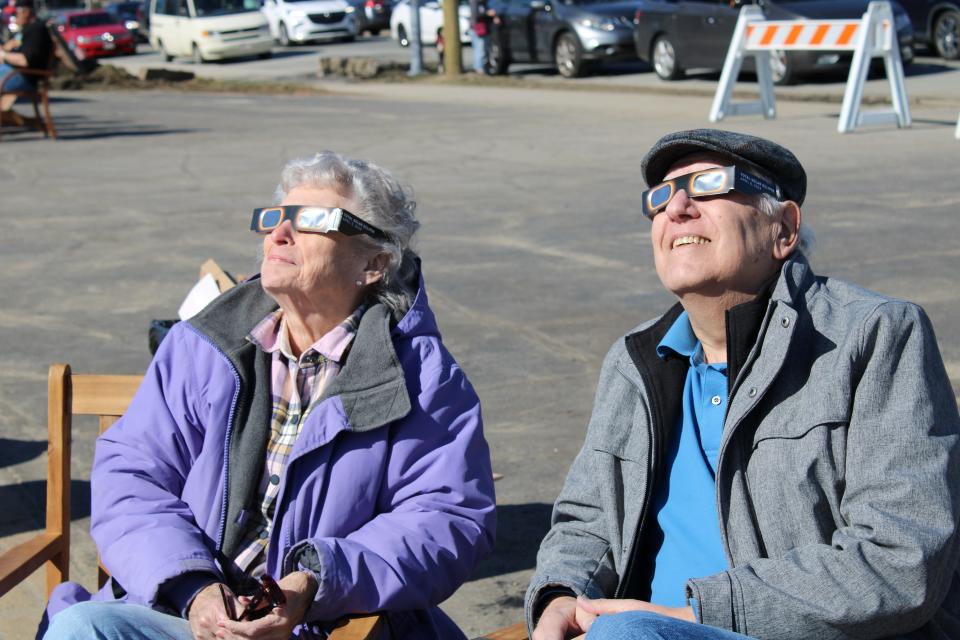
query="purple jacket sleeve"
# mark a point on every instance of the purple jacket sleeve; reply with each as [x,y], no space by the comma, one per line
[140,468]
[437,512]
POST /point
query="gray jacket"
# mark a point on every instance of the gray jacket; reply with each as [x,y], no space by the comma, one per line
[838,481]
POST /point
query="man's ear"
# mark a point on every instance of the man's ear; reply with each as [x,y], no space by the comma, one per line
[376,268]
[788,236]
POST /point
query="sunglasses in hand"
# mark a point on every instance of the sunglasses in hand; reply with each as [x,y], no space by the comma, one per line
[267,596]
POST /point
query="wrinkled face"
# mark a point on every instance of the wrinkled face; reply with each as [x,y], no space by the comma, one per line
[313,266]
[714,245]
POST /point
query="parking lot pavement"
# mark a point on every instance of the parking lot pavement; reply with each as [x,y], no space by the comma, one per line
[535,254]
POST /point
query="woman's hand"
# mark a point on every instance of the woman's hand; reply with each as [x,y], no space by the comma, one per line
[299,588]
[206,612]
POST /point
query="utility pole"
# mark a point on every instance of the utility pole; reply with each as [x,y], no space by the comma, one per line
[451,38]
[416,44]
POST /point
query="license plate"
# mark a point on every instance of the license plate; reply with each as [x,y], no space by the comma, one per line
[109,46]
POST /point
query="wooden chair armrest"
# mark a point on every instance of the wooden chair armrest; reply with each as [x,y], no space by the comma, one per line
[43,73]
[371,627]
[18,563]
[513,632]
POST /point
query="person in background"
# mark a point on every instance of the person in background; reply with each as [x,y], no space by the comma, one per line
[32,49]
[480,17]
[307,439]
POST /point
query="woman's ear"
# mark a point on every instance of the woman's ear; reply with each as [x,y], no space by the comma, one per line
[376,268]
[788,236]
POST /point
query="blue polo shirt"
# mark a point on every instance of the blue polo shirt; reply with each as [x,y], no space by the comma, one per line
[685,505]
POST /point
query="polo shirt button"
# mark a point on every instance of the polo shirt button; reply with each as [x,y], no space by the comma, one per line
[274,479]
[264,534]
[785,321]
[752,392]
[715,400]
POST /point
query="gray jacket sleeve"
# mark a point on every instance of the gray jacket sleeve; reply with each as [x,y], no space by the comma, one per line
[582,547]
[889,566]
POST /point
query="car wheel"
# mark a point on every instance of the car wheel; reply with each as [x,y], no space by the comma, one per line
[782,68]
[946,34]
[163,51]
[374,32]
[266,55]
[664,57]
[568,55]
[497,62]
[197,56]
[283,38]
[402,36]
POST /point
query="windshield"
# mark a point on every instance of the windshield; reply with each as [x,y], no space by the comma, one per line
[92,20]
[223,7]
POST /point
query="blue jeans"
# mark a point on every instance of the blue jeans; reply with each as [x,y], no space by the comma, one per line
[112,620]
[479,44]
[17,83]
[644,625]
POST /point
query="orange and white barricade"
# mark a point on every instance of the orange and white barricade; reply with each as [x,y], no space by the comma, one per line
[873,36]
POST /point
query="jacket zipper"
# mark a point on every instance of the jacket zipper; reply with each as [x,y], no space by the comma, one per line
[221,529]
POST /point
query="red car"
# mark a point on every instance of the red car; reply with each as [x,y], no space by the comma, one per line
[92,34]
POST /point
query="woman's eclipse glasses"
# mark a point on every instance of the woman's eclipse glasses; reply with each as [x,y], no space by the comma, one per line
[708,182]
[312,219]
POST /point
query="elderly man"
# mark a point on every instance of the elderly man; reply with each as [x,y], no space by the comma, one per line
[32,50]
[777,456]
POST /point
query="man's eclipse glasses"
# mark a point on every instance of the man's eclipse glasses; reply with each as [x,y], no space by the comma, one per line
[311,219]
[708,182]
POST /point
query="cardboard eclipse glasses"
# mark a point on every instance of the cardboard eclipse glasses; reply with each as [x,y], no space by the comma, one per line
[313,220]
[708,182]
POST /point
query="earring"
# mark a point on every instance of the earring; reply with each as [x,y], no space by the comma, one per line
[359,283]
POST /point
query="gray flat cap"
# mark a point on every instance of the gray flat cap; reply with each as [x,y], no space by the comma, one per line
[772,159]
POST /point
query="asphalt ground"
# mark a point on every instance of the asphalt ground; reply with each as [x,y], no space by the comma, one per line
[535,254]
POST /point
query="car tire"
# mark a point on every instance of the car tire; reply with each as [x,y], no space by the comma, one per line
[163,52]
[497,59]
[568,55]
[374,32]
[283,38]
[196,55]
[402,37]
[663,56]
[782,68]
[946,34]
[266,55]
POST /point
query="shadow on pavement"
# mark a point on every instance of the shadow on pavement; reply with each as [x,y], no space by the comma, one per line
[520,528]
[16,451]
[20,505]
[83,128]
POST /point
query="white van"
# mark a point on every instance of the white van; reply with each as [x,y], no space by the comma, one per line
[209,29]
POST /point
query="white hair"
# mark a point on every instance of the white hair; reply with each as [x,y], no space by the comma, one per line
[378,199]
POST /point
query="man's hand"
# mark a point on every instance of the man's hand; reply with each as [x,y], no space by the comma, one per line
[299,588]
[206,612]
[588,610]
[561,620]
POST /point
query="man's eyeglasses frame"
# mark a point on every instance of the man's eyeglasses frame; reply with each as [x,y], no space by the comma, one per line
[334,219]
[734,179]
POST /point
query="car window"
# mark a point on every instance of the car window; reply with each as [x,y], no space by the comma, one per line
[91,20]
[223,7]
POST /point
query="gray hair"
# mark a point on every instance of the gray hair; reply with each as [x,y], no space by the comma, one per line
[766,203]
[378,199]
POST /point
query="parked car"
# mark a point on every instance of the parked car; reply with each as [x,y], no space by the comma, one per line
[297,21]
[373,16]
[431,22]
[936,23]
[574,35]
[94,34]
[678,35]
[128,13]
[209,29]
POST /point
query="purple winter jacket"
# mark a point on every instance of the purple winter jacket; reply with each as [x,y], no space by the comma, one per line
[387,497]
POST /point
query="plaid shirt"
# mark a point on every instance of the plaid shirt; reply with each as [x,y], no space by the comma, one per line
[295,385]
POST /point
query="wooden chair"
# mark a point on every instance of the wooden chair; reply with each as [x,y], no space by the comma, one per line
[39,96]
[105,396]
[514,632]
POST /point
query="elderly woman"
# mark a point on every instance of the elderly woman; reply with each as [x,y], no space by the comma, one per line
[308,426]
